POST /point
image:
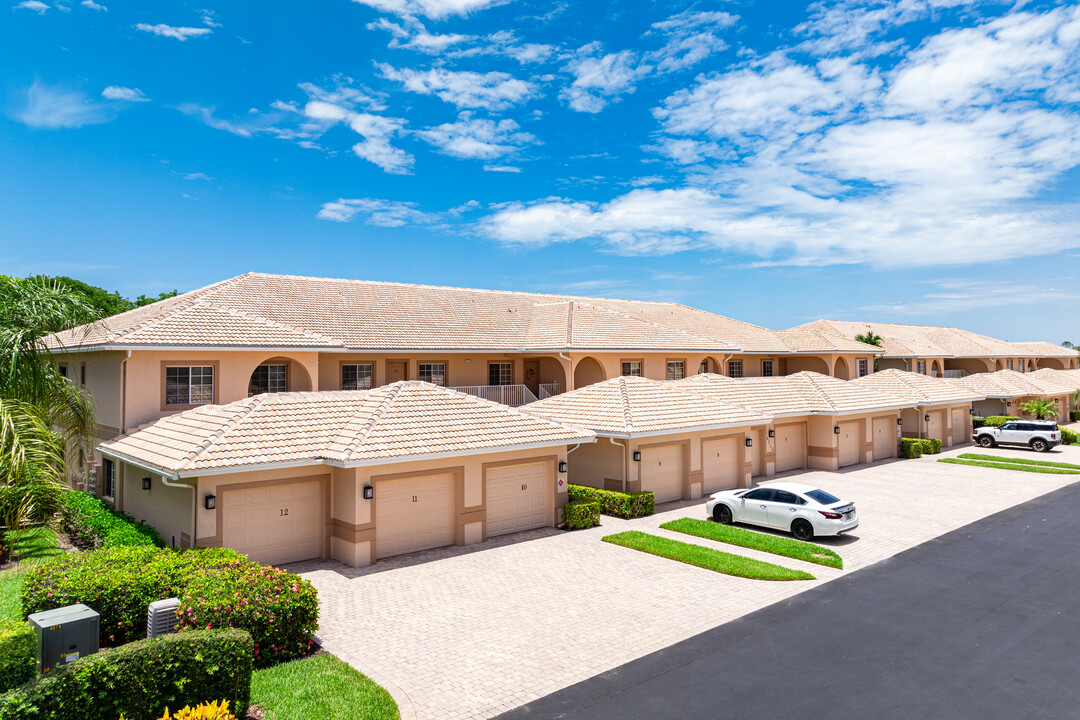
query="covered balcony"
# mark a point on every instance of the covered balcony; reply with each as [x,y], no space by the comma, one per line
[512,395]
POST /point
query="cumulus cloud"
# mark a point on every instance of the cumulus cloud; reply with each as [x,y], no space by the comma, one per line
[55,107]
[377,132]
[691,37]
[476,138]
[502,168]
[382,213]
[94,6]
[599,78]
[465,89]
[115,92]
[412,35]
[34,5]
[506,43]
[179,33]
[434,9]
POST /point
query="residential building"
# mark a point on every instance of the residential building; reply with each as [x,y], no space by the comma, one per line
[1007,390]
[944,409]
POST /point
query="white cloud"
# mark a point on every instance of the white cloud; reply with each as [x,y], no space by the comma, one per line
[414,36]
[434,9]
[196,176]
[599,78]
[180,33]
[691,37]
[56,107]
[35,5]
[116,92]
[502,168]
[465,89]
[962,294]
[506,43]
[382,213]
[477,138]
[377,132]
[94,6]
[859,26]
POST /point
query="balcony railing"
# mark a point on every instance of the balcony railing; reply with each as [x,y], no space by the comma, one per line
[550,389]
[955,373]
[512,395]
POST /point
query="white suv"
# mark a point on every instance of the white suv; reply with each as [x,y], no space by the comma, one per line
[1039,435]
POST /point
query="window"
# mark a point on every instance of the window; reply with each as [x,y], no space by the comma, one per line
[108,472]
[822,497]
[267,379]
[863,367]
[189,385]
[922,367]
[1010,426]
[734,368]
[631,367]
[676,370]
[1008,365]
[63,369]
[500,373]
[766,368]
[703,367]
[783,496]
[434,373]
[763,494]
[358,377]
[82,373]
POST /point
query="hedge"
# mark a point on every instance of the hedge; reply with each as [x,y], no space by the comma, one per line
[612,502]
[119,583]
[18,653]
[1069,437]
[992,421]
[911,448]
[92,523]
[278,608]
[581,514]
[141,679]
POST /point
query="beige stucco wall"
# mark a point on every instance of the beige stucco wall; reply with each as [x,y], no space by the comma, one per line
[692,483]
[601,464]
[915,425]
[166,508]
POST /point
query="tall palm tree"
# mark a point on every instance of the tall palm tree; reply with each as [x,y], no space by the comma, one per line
[870,338]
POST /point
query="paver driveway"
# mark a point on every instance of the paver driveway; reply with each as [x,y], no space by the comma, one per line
[472,632]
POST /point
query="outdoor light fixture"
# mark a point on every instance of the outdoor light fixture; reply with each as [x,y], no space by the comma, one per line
[562,466]
[772,433]
[926,418]
[971,412]
[749,442]
[637,456]
[899,421]
[836,429]
[146,483]
[210,502]
[369,492]
[1008,404]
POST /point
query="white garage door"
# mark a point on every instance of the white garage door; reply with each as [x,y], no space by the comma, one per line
[662,472]
[722,463]
[274,524]
[960,432]
[519,497]
[884,438]
[790,447]
[851,443]
[757,453]
[935,429]
[414,514]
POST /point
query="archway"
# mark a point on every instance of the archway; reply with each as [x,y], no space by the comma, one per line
[587,372]
[807,363]
[552,377]
[1052,363]
[936,370]
[278,374]
[708,365]
[840,369]
[969,366]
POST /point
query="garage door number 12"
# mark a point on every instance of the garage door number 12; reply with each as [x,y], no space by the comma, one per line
[283,512]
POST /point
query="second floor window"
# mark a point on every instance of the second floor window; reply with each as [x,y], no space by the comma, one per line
[766,368]
[863,367]
[434,373]
[631,367]
[734,368]
[1008,364]
[500,374]
[922,367]
[189,385]
[676,370]
[357,377]
[267,379]
[108,479]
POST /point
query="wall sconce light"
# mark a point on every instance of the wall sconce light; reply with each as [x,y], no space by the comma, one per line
[971,412]
[146,483]
[369,492]
[210,502]
[749,442]
[637,456]
[772,433]
[1008,404]
[926,418]
[899,421]
[836,429]
[562,466]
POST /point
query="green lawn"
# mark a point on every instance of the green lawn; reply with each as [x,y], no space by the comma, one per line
[1005,465]
[1018,461]
[788,547]
[33,546]
[320,688]
[704,557]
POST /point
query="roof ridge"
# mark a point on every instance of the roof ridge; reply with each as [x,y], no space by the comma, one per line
[376,416]
[624,398]
[569,323]
[249,406]
[817,389]
[197,297]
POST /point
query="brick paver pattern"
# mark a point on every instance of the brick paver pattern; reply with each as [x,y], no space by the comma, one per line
[472,632]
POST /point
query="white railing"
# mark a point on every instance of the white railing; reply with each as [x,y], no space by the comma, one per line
[549,389]
[512,395]
[955,373]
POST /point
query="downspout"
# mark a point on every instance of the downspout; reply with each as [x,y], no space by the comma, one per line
[720,369]
[123,393]
[626,460]
[194,506]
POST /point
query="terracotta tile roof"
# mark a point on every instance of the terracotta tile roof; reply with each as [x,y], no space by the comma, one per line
[922,388]
[819,341]
[1068,378]
[908,341]
[804,393]
[401,420]
[633,406]
[259,310]
[1011,384]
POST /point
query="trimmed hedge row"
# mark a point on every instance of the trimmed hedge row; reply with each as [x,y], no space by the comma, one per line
[92,523]
[917,447]
[992,421]
[18,653]
[1069,437]
[613,502]
[581,514]
[141,679]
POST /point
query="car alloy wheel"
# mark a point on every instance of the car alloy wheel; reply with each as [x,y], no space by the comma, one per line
[1039,445]
[802,530]
[986,441]
[722,514]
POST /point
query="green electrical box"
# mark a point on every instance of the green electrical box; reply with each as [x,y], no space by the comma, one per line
[64,635]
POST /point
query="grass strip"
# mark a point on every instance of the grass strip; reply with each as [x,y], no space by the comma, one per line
[32,547]
[1018,461]
[320,687]
[704,557]
[788,547]
[1010,466]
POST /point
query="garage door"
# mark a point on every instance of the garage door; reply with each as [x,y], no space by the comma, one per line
[790,447]
[662,472]
[960,432]
[274,524]
[936,427]
[851,443]
[757,453]
[884,438]
[722,463]
[519,497]
[413,514]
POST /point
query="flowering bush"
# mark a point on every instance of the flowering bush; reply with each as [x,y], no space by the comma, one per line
[278,608]
[205,711]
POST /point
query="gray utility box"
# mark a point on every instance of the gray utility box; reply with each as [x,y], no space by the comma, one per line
[161,617]
[64,635]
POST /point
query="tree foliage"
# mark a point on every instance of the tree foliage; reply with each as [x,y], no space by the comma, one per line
[870,338]
[1040,409]
[105,303]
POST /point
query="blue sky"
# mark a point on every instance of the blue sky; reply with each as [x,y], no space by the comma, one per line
[897,160]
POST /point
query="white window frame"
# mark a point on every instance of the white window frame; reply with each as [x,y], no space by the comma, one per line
[768,368]
[920,365]
[734,368]
[676,369]
[358,385]
[205,370]
[428,369]
[862,367]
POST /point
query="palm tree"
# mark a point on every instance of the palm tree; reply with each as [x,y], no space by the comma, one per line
[1041,409]
[870,338]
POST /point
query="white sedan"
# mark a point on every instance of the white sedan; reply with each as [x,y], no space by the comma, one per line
[804,510]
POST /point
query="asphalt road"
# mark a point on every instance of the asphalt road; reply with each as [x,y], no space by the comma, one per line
[983,622]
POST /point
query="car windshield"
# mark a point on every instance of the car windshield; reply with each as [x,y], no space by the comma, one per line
[822,497]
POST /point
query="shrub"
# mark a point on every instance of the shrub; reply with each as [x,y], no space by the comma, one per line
[1069,437]
[1074,416]
[18,653]
[278,608]
[119,583]
[93,523]
[206,711]
[612,502]
[931,446]
[911,448]
[141,679]
[581,514]
[992,421]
